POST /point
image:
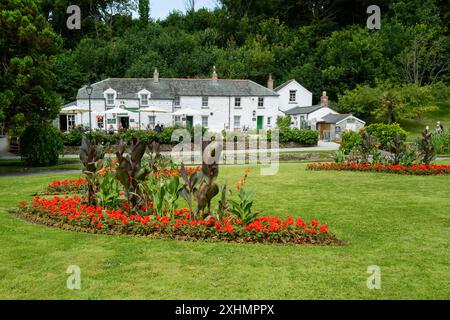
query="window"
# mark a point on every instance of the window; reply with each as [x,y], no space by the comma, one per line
[177,119]
[292,96]
[144,100]
[237,102]
[261,102]
[205,121]
[237,122]
[176,101]
[205,102]
[303,124]
[71,121]
[151,121]
[110,99]
[269,121]
[338,129]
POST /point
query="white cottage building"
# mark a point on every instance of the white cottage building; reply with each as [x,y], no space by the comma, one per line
[216,104]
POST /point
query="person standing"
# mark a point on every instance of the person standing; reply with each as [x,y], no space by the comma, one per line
[439,127]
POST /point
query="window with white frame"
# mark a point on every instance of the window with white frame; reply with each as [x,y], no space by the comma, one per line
[205,121]
[269,121]
[70,121]
[144,99]
[237,122]
[303,123]
[205,101]
[176,101]
[177,119]
[261,102]
[237,102]
[292,96]
[110,99]
[151,121]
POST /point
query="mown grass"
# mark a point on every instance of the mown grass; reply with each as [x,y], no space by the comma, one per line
[400,223]
[416,127]
[13,165]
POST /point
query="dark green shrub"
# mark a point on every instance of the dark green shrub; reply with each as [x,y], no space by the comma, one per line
[41,145]
[350,141]
[384,134]
[73,137]
[306,137]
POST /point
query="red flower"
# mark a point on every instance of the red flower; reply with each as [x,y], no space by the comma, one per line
[323,228]
[315,223]
[23,204]
[99,225]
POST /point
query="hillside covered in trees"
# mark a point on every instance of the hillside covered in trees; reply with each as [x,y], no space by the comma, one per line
[323,44]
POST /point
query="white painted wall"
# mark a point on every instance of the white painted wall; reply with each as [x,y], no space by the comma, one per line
[220,112]
[304,97]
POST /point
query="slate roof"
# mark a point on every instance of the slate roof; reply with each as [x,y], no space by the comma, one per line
[302,110]
[73,103]
[128,88]
[334,118]
[281,86]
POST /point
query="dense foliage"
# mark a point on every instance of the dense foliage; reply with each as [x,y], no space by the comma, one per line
[324,45]
[385,134]
[41,145]
[384,144]
[27,45]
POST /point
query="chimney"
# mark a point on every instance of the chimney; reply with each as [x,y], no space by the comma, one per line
[214,74]
[270,82]
[156,76]
[324,99]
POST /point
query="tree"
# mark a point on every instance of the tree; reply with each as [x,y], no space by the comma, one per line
[425,60]
[388,103]
[144,11]
[27,43]
[190,6]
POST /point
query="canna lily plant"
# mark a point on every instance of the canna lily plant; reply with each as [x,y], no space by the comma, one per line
[208,188]
[91,156]
[130,172]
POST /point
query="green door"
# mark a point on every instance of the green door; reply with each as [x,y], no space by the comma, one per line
[260,122]
[189,121]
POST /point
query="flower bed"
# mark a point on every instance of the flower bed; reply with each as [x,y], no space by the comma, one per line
[397,169]
[66,186]
[73,214]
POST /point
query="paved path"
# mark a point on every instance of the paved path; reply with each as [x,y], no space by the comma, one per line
[4,150]
[34,172]
[322,146]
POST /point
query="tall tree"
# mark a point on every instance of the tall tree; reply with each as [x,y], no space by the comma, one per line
[144,11]
[27,43]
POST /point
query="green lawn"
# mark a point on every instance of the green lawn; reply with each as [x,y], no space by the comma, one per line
[416,127]
[400,223]
[8,166]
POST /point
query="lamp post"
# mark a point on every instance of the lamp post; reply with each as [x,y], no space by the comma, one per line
[89,92]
